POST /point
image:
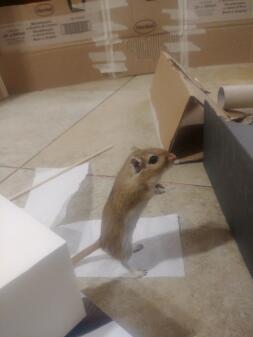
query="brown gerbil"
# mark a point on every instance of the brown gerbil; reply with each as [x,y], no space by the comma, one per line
[135,184]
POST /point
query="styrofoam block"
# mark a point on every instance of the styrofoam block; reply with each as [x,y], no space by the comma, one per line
[38,291]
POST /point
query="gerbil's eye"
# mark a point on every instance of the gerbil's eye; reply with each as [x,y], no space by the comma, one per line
[153,160]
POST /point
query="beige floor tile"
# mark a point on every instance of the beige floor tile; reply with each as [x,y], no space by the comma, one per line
[215,298]
[209,301]
[125,120]
[192,173]
[139,83]
[31,121]
[4,172]
[100,85]
[16,183]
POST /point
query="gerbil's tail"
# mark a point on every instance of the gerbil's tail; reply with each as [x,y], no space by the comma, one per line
[85,252]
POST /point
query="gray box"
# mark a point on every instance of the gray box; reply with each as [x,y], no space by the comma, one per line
[228,159]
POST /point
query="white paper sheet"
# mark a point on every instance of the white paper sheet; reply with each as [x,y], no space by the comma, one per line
[111,329]
[162,253]
[161,256]
[49,201]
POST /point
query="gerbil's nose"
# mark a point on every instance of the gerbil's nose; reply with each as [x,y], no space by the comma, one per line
[172,156]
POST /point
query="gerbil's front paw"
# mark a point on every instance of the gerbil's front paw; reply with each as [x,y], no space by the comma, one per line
[138,247]
[159,189]
[138,273]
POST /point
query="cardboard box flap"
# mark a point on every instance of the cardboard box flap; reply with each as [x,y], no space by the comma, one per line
[178,104]
[193,114]
[194,86]
[188,136]
[169,96]
[178,101]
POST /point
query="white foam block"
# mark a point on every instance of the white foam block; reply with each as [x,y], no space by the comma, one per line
[161,256]
[38,292]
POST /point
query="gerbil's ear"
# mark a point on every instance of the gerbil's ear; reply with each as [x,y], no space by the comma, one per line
[138,164]
[134,148]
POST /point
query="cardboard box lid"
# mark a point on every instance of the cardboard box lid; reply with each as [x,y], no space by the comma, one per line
[178,103]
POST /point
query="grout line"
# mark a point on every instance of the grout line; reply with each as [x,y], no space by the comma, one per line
[64,132]
[165,182]
[100,175]
[67,169]
[15,167]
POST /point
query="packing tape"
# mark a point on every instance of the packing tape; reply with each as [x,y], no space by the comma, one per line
[108,68]
[99,26]
[176,47]
[102,56]
[105,41]
[183,21]
[104,35]
[186,26]
[95,5]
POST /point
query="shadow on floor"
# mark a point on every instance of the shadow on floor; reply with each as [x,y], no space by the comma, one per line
[142,318]
[74,209]
[95,319]
[195,241]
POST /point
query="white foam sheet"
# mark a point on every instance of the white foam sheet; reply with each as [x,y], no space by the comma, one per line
[161,256]
[49,201]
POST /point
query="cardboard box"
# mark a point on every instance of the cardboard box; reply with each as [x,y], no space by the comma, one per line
[55,43]
[38,291]
[56,67]
[3,90]
[228,159]
[177,102]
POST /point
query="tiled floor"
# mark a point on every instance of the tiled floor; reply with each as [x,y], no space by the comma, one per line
[215,298]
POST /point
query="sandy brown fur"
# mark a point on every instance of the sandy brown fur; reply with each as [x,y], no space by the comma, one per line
[129,195]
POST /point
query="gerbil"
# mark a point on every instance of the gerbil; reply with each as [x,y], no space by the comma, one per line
[135,184]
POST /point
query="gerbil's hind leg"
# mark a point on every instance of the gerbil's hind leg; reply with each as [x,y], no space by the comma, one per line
[159,189]
[134,273]
[137,247]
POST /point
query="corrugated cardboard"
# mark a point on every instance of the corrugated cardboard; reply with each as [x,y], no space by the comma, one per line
[56,43]
[55,67]
[3,90]
[178,105]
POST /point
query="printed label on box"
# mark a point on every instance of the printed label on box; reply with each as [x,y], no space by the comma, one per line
[213,10]
[45,32]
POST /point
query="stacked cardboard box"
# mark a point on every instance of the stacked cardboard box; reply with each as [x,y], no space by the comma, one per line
[53,43]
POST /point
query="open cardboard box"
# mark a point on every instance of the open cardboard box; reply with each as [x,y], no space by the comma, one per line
[178,102]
